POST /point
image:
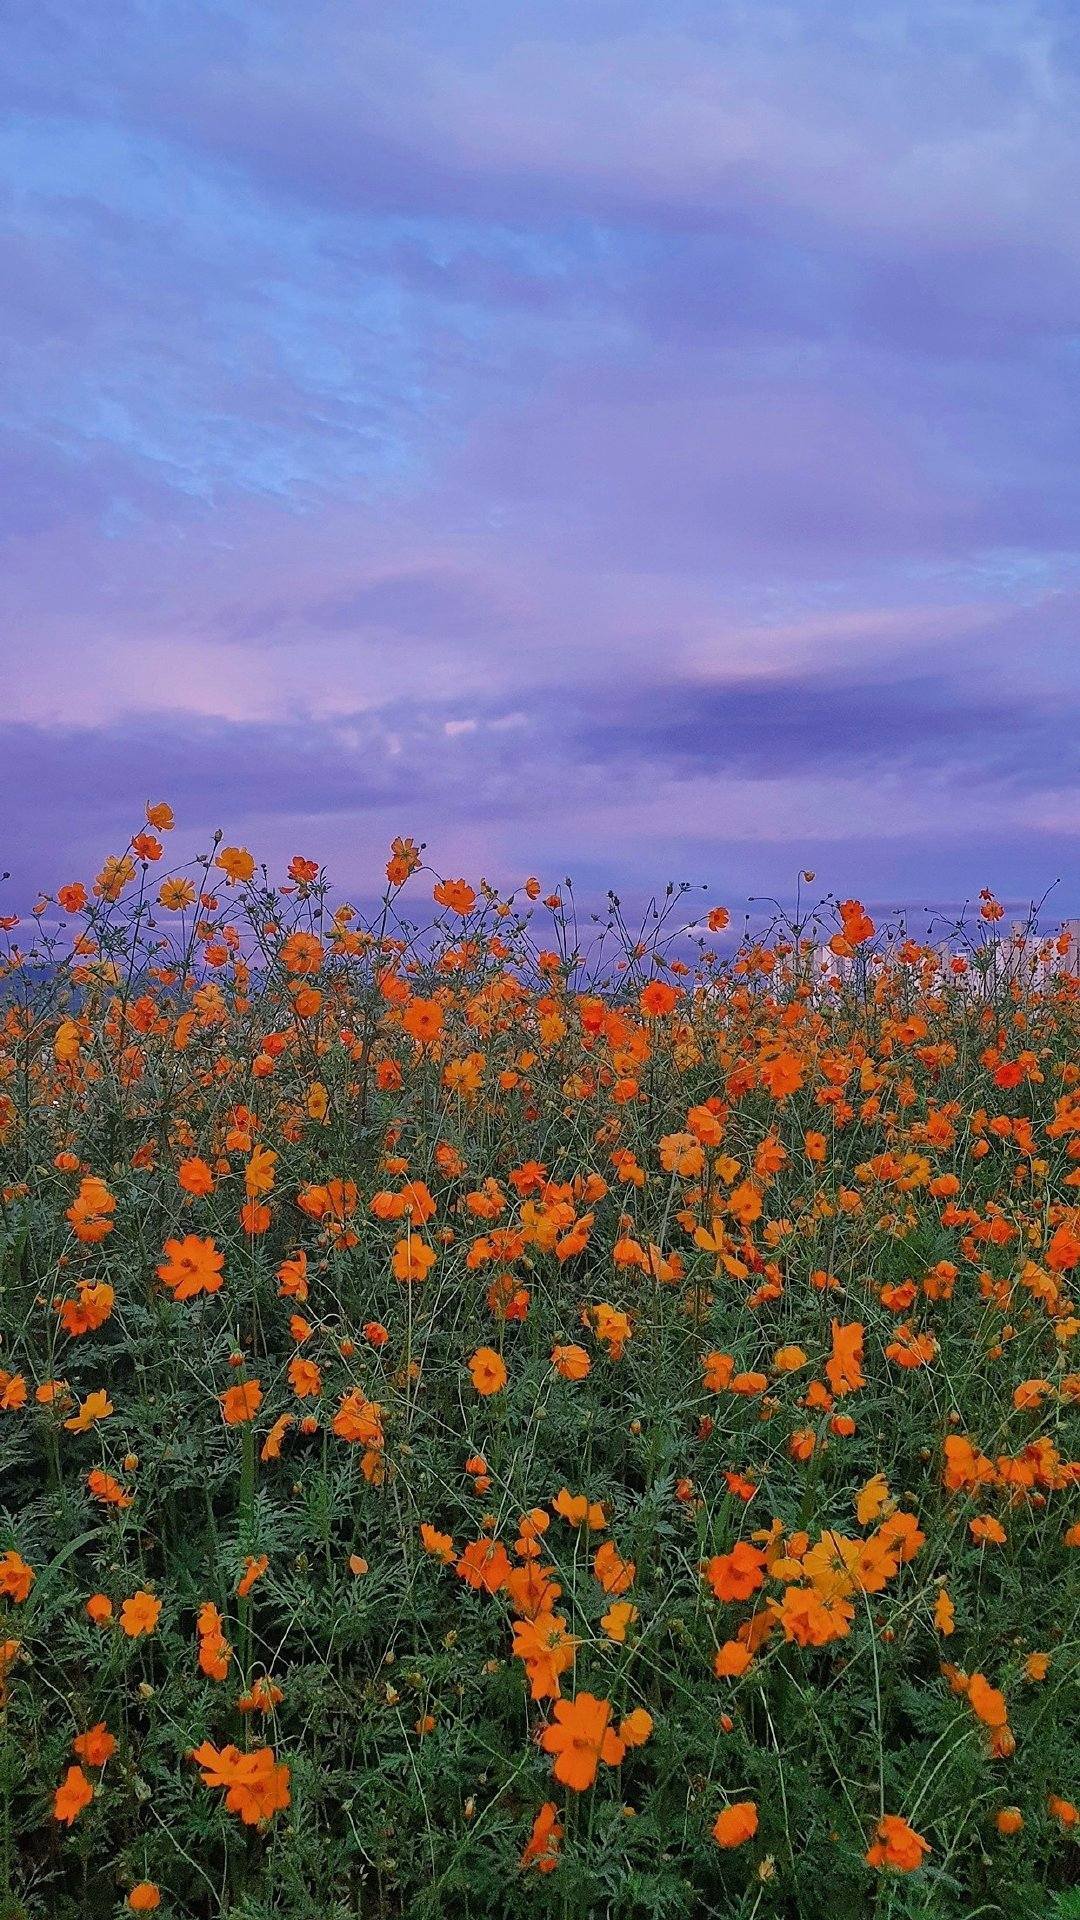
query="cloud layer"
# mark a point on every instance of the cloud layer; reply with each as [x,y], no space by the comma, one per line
[626,438]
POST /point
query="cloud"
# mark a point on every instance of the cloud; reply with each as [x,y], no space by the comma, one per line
[563,424]
[782,726]
[411,604]
[908,120]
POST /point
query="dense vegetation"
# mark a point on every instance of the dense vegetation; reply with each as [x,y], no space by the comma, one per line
[502,1419]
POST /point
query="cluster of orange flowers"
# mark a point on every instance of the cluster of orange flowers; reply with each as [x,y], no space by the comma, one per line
[256,1785]
[378,1236]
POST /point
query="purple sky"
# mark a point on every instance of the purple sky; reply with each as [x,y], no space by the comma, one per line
[633,438]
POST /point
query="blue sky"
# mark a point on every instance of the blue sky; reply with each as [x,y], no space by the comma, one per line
[636,440]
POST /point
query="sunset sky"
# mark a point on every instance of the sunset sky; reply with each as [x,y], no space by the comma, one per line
[628,438]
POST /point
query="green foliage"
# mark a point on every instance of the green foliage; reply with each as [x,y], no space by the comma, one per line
[545,1107]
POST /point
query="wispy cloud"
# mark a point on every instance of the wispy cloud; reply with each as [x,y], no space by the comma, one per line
[561,424]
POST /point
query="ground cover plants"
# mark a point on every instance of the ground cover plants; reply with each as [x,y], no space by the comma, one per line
[507,1417]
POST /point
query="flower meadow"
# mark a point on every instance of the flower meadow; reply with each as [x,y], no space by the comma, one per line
[511,1412]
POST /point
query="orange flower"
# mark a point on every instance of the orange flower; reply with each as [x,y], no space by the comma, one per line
[423,1020]
[612,1328]
[789,1359]
[359,1420]
[89,1211]
[964,1466]
[96,1746]
[782,1075]
[16,1578]
[302,953]
[191,1266]
[455,894]
[71,1796]
[214,1650]
[13,1392]
[264,1696]
[542,1847]
[195,1177]
[745,1203]
[719,1368]
[739,1485]
[240,1404]
[844,1367]
[896,1845]
[236,863]
[547,1650]
[90,1310]
[139,1614]
[292,1277]
[944,1613]
[99,1609]
[617,1619]
[404,860]
[658,999]
[259,1172]
[531,1589]
[579,1511]
[987,1531]
[484,1566]
[636,1728]
[96,1406]
[256,1785]
[104,1487]
[145,1897]
[255,1217]
[613,1572]
[911,1349]
[681,1153]
[736,1823]
[271,1446]
[305,1378]
[738,1574]
[810,1620]
[580,1737]
[412,1259]
[254,1568]
[986,1701]
[52,1393]
[572,1363]
[857,924]
[1030,1394]
[531,1528]
[488,1372]
[1063,1248]
[439,1545]
[9,1653]
[732,1659]
[114,877]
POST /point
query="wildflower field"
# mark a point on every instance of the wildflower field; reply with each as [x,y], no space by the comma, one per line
[504,1416]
